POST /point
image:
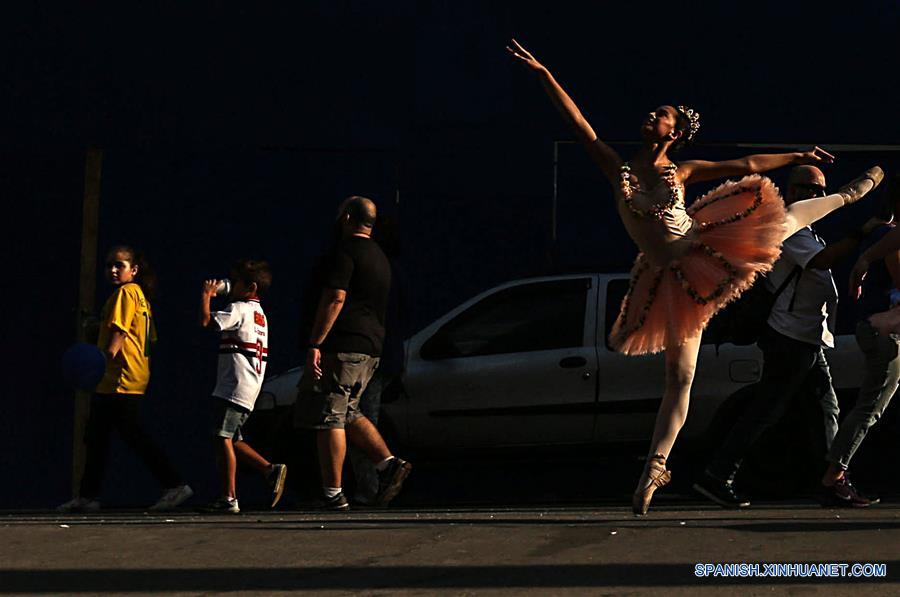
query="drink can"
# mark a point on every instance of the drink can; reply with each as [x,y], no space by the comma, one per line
[223,288]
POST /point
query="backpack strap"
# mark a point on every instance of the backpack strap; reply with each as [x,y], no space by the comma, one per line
[797,269]
[794,275]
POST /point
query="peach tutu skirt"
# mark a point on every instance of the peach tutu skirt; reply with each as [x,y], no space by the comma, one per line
[739,228]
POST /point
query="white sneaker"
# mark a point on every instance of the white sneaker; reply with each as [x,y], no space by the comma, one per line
[79,504]
[172,498]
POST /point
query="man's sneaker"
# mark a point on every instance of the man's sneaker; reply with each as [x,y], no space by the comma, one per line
[79,504]
[843,495]
[172,498]
[390,480]
[337,503]
[223,505]
[720,492]
[276,482]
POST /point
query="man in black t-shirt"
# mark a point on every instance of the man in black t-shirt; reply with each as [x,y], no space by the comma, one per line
[345,345]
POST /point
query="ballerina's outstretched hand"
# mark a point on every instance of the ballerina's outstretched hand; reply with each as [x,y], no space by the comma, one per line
[816,155]
[522,55]
[605,157]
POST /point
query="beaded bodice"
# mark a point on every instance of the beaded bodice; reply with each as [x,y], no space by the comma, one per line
[651,203]
[655,218]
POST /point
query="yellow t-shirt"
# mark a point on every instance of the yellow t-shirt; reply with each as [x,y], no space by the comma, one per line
[127,310]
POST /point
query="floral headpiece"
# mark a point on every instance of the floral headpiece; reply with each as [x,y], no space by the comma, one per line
[693,118]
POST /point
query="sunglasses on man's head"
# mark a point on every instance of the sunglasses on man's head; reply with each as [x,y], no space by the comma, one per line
[816,190]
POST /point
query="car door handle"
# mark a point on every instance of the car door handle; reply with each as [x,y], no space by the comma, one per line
[573,362]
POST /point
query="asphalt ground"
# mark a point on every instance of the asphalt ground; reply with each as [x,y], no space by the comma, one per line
[534,550]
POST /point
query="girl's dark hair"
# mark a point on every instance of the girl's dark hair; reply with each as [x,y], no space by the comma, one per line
[145,277]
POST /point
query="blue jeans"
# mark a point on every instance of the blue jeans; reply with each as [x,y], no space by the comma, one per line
[882,355]
[789,367]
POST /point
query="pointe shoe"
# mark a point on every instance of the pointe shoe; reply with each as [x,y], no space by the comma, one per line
[655,476]
[852,191]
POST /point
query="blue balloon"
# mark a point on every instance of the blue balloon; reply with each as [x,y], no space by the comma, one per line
[83,366]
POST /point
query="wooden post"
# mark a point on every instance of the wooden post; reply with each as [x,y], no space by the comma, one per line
[86,298]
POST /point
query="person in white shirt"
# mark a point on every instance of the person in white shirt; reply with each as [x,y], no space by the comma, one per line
[800,326]
[243,353]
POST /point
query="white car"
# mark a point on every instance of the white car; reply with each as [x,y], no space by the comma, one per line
[526,363]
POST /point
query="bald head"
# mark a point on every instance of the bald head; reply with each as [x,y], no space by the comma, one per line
[805,182]
[359,211]
[807,175]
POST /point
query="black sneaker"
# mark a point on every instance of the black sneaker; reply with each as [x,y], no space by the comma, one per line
[337,503]
[844,495]
[276,482]
[223,505]
[720,492]
[390,480]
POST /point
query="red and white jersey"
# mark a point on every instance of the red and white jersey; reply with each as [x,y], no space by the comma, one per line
[243,352]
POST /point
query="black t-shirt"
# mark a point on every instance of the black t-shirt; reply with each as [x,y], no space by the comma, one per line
[360,267]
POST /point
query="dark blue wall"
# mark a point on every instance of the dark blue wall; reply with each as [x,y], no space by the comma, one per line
[235,132]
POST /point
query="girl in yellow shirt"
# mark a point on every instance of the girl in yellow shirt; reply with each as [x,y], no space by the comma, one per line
[127,333]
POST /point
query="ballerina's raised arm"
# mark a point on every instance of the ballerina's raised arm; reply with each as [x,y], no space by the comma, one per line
[604,155]
[690,171]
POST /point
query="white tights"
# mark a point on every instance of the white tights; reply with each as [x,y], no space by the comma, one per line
[803,213]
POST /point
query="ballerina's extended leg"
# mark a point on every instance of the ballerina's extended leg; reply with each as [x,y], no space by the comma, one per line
[803,213]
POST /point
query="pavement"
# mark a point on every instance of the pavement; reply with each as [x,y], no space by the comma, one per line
[533,550]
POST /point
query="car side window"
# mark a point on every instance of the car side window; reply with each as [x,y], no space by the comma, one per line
[530,317]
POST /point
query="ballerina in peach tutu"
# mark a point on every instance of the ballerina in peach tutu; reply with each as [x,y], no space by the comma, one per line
[693,260]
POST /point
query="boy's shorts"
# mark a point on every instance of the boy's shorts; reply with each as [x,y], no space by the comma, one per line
[228,418]
[332,402]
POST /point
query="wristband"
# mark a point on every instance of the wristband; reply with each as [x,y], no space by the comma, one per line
[316,346]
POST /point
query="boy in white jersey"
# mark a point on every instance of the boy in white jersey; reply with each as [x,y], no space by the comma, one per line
[243,352]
